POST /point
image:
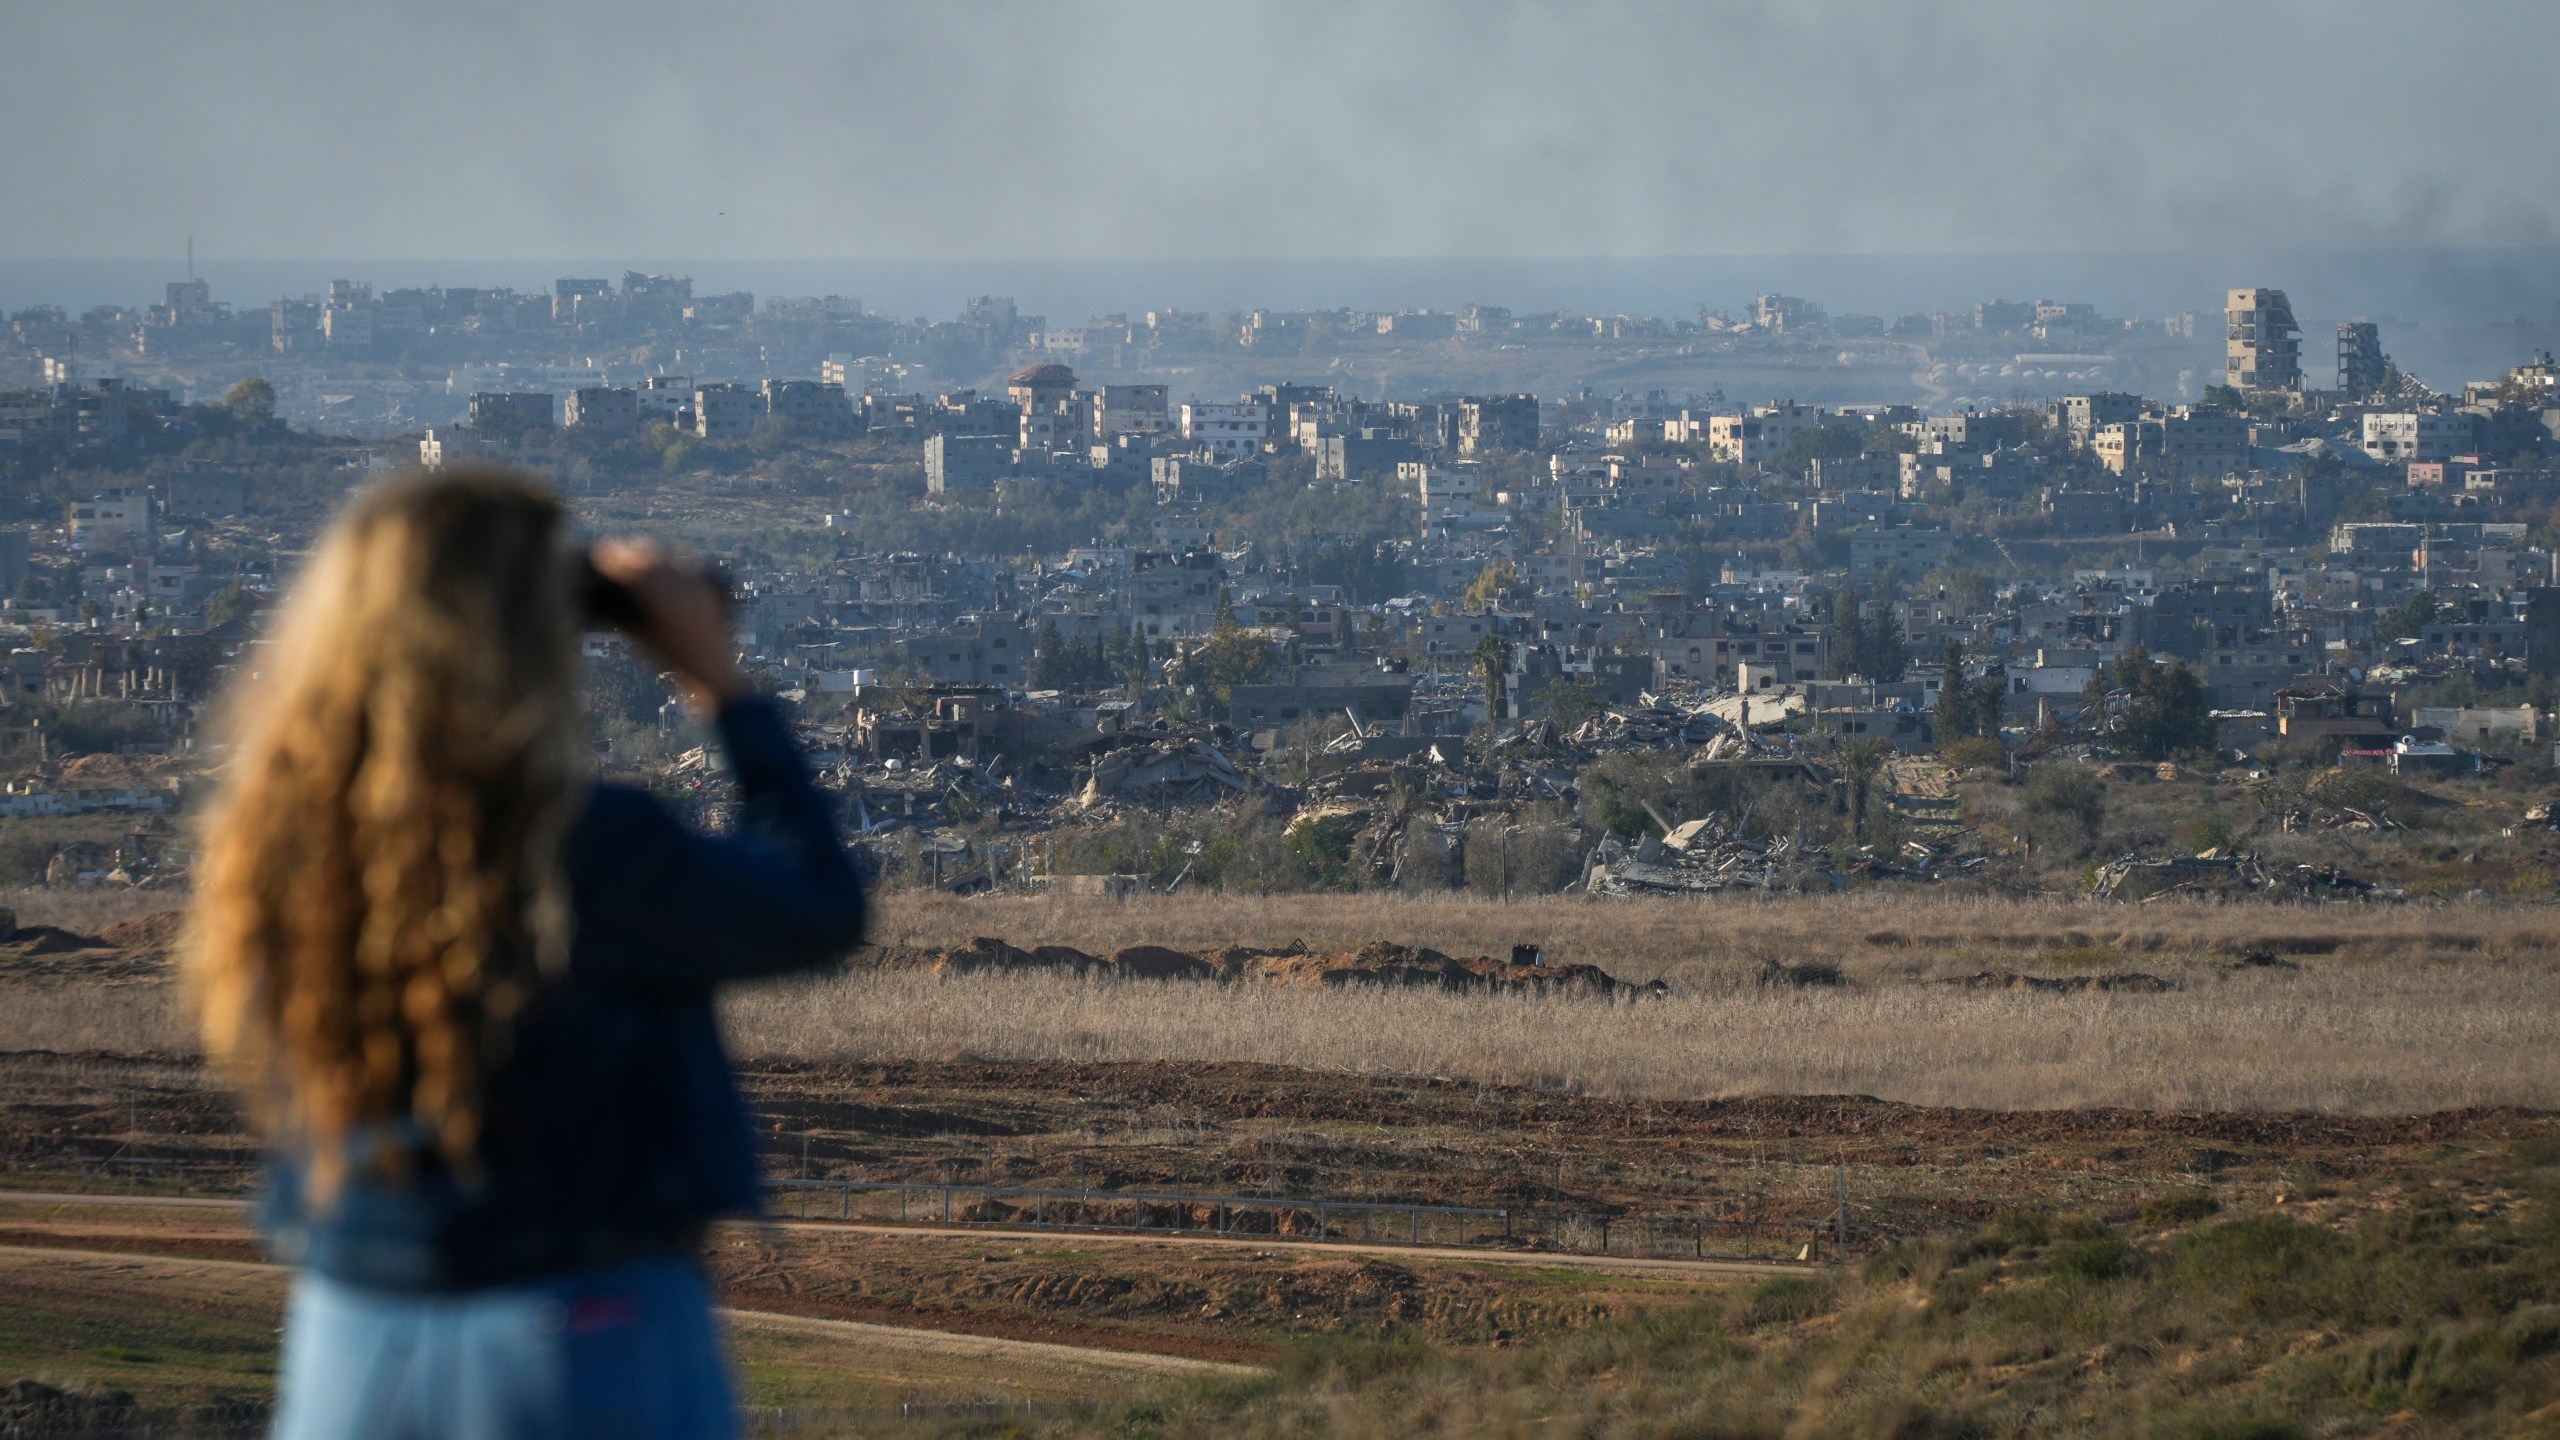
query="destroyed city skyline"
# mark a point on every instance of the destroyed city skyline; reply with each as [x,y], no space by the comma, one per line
[1462,717]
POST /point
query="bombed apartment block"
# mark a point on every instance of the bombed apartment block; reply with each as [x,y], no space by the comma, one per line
[2262,347]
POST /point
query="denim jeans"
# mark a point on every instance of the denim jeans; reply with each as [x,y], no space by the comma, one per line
[630,1353]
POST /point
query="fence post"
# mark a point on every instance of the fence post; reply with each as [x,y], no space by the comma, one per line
[1416,1213]
[1840,1214]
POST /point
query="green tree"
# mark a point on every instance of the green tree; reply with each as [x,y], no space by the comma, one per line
[1566,701]
[1048,660]
[1230,657]
[252,402]
[2165,712]
[1990,702]
[226,605]
[1490,583]
[1957,713]
[1493,656]
[1822,442]
[1320,852]
[1968,589]
[2410,618]
[1136,658]
[1866,638]
[1861,759]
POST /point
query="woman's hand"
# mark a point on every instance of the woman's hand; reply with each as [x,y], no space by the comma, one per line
[684,617]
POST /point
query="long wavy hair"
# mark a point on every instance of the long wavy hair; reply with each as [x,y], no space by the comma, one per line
[380,889]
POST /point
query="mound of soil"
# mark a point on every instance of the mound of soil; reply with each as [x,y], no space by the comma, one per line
[157,932]
[1380,962]
[1383,962]
[32,940]
[1154,962]
[2131,981]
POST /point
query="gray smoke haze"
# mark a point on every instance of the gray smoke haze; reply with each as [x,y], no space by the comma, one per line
[1481,128]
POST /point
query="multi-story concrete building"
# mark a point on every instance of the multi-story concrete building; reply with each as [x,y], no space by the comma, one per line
[604,408]
[1372,452]
[2083,416]
[1760,436]
[1499,422]
[965,462]
[2190,440]
[1911,552]
[115,515]
[1132,410]
[510,411]
[2262,346]
[812,408]
[1227,430]
[666,399]
[2361,363]
[722,411]
[2399,437]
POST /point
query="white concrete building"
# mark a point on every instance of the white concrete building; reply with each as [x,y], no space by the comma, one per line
[2396,438]
[1229,429]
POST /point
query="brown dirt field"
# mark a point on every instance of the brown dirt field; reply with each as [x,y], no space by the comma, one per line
[1244,1129]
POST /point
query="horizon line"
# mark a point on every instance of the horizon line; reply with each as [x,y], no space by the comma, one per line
[1415,258]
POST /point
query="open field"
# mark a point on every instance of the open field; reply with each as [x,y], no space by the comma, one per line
[2078,1272]
[2313,1192]
[2347,1009]
[2331,1037]
[1712,940]
[182,1334]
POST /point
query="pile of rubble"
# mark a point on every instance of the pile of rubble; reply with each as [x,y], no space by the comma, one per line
[2213,873]
[1701,856]
[1175,771]
[1377,963]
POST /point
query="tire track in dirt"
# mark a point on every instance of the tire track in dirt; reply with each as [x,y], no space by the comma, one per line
[37,1246]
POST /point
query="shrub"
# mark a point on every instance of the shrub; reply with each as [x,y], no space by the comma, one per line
[2100,1257]
[2262,1264]
[2065,807]
[1321,852]
[2179,1207]
[1975,752]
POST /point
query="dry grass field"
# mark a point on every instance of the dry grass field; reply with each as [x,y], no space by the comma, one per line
[2370,1010]
[1706,940]
[2327,1039]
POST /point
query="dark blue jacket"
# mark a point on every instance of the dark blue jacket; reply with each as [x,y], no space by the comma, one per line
[613,1129]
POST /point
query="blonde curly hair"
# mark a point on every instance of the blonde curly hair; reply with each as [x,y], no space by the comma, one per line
[380,889]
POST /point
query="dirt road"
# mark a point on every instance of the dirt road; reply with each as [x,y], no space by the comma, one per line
[884,1355]
[1667,1269]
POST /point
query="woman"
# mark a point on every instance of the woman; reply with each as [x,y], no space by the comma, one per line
[469,990]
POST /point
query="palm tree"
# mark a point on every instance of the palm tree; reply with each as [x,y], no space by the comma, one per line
[1493,656]
[1862,758]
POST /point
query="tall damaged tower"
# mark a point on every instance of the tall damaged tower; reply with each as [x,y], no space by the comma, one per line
[2361,363]
[2263,347]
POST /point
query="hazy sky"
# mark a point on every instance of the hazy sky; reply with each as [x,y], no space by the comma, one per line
[808,130]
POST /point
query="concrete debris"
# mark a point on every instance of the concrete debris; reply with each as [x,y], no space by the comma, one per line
[2138,879]
[1166,772]
[1701,857]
